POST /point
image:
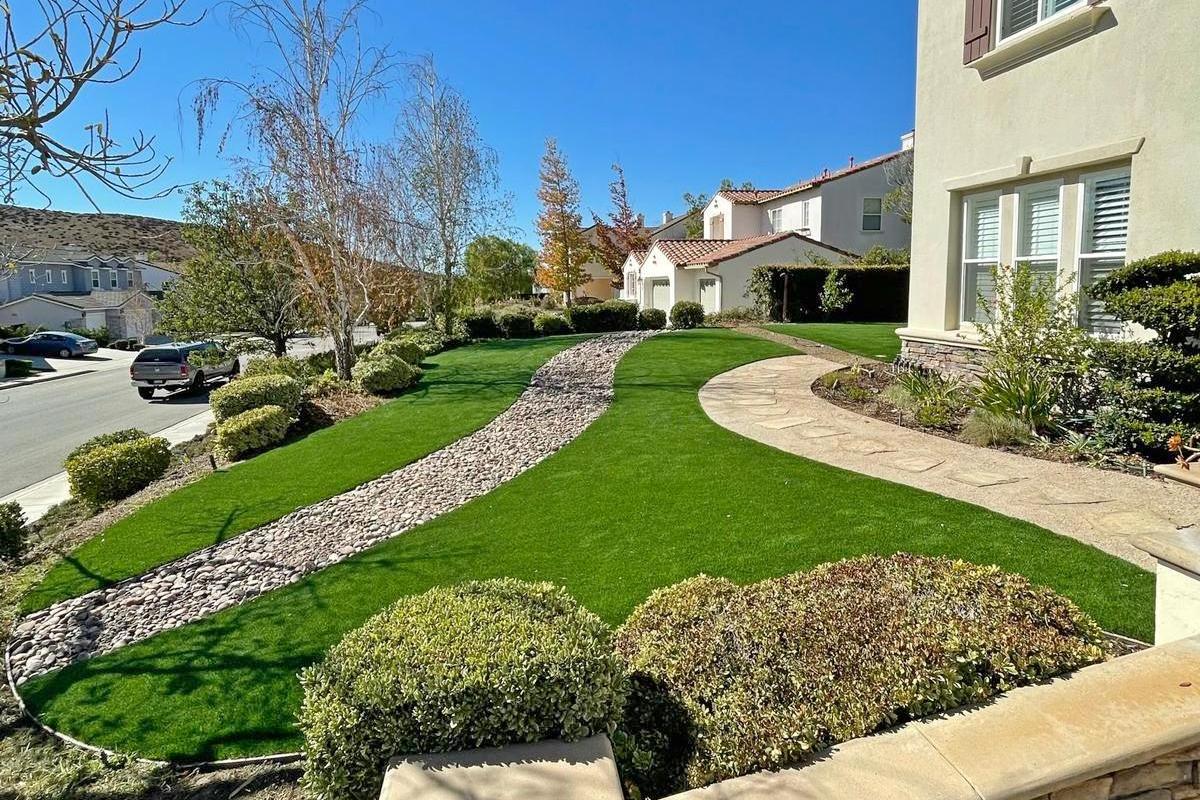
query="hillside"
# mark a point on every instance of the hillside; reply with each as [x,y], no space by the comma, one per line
[107,234]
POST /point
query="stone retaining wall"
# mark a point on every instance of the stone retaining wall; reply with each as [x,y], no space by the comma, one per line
[942,357]
[1171,777]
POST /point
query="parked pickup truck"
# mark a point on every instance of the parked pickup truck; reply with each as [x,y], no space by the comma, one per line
[167,367]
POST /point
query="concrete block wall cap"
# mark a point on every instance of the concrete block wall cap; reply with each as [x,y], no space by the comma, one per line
[549,770]
[1180,548]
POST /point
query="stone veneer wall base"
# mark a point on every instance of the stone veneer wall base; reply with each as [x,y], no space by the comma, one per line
[942,357]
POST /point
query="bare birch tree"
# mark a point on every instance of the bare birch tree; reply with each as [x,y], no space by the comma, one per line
[450,184]
[53,51]
[303,114]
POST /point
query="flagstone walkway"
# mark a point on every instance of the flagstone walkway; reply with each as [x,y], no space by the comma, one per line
[772,402]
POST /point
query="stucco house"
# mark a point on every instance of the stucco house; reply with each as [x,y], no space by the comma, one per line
[127,314]
[713,272]
[1061,134]
[841,208]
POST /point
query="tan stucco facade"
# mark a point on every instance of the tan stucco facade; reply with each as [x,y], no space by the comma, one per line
[1108,84]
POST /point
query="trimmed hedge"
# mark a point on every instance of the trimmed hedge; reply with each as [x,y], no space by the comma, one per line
[429,340]
[792,293]
[385,374]
[12,531]
[404,349]
[515,323]
[105,439]
[652,319]
[111,472]
[481,324]
[251,431]
[244,394]
[482,664]
[550,325]
[611,315]
[728,679]
[295,368]
[687,314]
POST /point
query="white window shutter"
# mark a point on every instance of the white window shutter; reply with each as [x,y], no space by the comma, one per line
[1108,224]
[1040,216]
[984,241]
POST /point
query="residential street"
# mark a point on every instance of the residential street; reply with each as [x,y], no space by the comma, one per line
[41,423]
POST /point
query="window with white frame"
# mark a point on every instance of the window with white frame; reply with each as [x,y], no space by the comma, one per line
[872,215]
[33,276]
[1021,15]
[804,218]
[1039,226]
[95,279]
[775,219]
[112,278]
[62,273]
[1103,235]
[981,254]
[49,276]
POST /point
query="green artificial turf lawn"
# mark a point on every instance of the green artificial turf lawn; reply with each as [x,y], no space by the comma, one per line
[652,493]
[461,391]
[871,339]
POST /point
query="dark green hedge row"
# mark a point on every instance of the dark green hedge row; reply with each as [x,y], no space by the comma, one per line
[792,293]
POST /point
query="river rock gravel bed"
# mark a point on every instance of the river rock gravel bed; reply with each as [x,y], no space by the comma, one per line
[564,397]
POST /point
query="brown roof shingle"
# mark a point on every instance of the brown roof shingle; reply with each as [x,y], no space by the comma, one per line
[697,252]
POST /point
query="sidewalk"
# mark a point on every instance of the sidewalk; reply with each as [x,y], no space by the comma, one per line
[53,369]
[38,498]
[772,402]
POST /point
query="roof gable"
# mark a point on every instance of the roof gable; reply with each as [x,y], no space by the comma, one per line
[709,252]
[759,196]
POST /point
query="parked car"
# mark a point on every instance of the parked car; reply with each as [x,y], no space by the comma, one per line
[51,343]
[168,367]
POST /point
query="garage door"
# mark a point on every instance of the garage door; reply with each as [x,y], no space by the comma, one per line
[660,295]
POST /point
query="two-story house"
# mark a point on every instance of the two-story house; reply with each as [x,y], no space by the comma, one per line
[1062,134]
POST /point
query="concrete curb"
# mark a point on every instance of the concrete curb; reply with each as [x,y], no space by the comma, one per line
[44,379]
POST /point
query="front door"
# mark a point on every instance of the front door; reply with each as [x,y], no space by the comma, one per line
[708,295]
[660,295]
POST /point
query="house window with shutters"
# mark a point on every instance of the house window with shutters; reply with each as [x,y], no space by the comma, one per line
[1039,224]
[981,254]
[1017,16]
[1103,235]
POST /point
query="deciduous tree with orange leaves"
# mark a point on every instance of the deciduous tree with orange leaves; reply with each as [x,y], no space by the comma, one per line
[559,224]
[622,233]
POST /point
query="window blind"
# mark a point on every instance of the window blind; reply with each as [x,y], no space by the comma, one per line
[984,235]
[1108,224]
[1040,223]
[1019,15]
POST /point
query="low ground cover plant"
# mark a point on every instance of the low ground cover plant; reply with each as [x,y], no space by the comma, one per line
[687,314]
[105,473]
[255,392]
[476,665]
[728,679]
[732,317]
[935,400]
[252,431]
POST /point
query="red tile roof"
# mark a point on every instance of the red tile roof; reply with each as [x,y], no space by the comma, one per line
[753,196]
[639,256]
[706,252]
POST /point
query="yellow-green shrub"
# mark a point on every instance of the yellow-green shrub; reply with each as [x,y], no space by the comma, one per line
[251,431]
[385,374]
[109,472]
[244,394]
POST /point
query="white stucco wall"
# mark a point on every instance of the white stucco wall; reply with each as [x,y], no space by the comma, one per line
[1136,75]
[793,213]
[741,219]
[41,313]
[735,273]
[841,213]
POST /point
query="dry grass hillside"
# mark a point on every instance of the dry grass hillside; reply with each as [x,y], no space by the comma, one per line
[108,234]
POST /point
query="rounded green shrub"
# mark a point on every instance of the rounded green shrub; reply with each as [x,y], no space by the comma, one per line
[609,316]
[652,319]
[110,472]
[244,394]
[480,323]
[295,368]
[728,680]
[252,431]
[404,349]
[687,314]
[385,374]
[105,439]
[12,531]
[481,664]
[429,340]
[550,325]
[515,323]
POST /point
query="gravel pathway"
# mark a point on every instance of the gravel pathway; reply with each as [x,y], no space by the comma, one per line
[565,396]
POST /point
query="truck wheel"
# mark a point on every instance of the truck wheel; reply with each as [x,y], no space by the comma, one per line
[198,382]
[145,392]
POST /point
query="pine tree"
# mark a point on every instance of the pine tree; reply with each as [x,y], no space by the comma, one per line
[559,224]
[622,233]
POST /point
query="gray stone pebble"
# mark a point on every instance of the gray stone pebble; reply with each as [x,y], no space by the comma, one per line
[564,397]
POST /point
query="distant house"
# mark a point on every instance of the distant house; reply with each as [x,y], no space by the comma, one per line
[713,272]
[127,314]
[842,208]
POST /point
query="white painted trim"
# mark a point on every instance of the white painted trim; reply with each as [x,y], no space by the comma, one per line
[1054,31]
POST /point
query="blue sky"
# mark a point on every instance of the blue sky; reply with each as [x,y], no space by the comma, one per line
[682,94]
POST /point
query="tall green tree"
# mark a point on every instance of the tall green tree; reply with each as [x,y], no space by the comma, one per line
[564,248]
[242,278]
[498,268]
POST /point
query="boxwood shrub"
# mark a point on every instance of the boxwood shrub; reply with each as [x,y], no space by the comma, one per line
[385,374]
[728,679]
[110,472]
[105,439]
[687,314]
[244,394]
[652,319]
[551,325]
[611,315]
[481,323]
[251,431]
[296,368]
[404,349]
[515,323]
[429,340]
[482,664]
